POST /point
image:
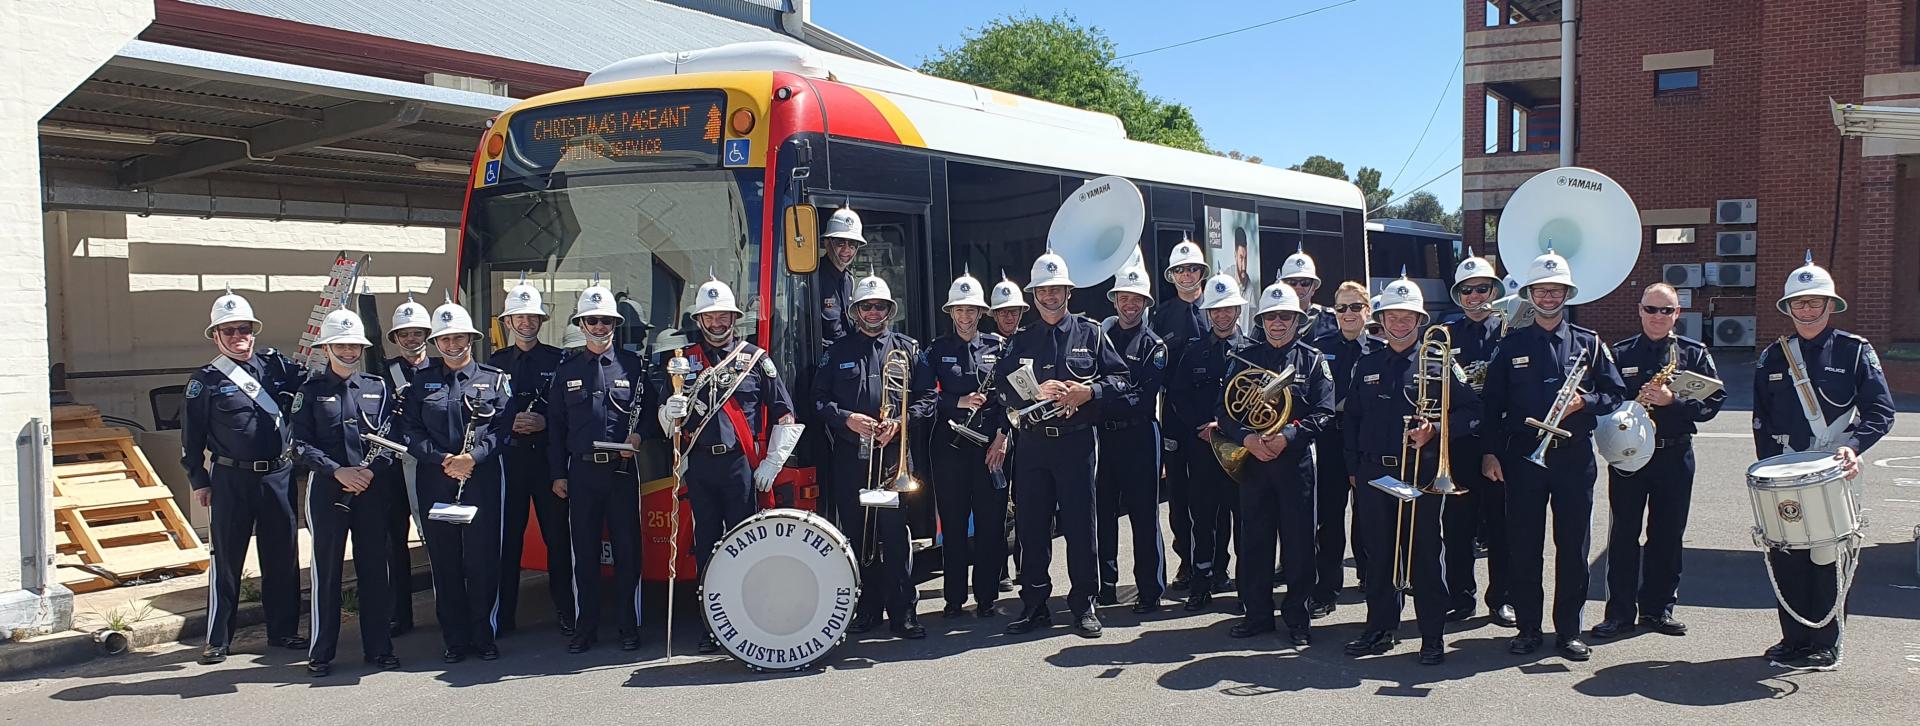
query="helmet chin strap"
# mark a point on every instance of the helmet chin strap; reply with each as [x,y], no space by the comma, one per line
[464,353]
[1391,338]
[344,364]
[220,342]
[717,339]
[525,337]
[1188,288]
[414,350]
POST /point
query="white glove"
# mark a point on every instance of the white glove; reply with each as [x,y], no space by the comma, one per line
[780,445]
[671,412]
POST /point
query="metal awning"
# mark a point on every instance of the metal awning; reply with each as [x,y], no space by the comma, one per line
[1876,122]
[167,130]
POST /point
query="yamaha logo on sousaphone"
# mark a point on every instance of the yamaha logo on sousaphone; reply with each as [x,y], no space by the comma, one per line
[1097,229]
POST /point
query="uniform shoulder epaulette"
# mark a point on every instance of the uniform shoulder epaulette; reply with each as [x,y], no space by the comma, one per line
[1376,338]
[992,338]
[1838,333]
[1579,330]
[490,369]
[1628,342]
[1687,342]
[268,352]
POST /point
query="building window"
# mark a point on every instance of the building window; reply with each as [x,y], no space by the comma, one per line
[1491,140]
[1673,235]
[1676,82]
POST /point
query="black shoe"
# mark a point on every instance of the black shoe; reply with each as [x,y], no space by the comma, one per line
[1503,616]
[987,610]
[709,645]
[582,642]
[395,630]
[1087,625]
[1612,628]
[384,662]
[1460,613]
[1300,637]
[1197,600]
[1109,595]
[863,623]
[1006,584]
[1248,628]
[1146,606]
[630,640]
[954,610]
[1664,624]
[1573,648]
[1433,655]
[1524,643]
[1373,642]
[319,669]
[1029,620]
[1182,578]
[490,653]
[453,655]
[213,655]
[1225,585]
[911,629]
[291,642]
[1818,659]
[1781,652]
[566,629]
[1318,610]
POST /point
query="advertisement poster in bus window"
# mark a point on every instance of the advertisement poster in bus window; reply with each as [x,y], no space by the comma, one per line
[1231,251]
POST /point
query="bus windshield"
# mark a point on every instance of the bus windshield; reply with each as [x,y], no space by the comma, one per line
[650,237]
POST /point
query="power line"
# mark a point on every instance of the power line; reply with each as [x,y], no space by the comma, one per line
[1423,185]
[1436,112]
[1236,30]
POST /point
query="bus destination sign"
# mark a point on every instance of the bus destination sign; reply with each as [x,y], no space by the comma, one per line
[676,129]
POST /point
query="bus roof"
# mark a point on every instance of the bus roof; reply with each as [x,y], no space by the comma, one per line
[972,121]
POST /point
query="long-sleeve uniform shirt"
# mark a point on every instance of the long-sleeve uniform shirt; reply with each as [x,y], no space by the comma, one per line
[1847,380]
[1177,322]
[1341,355]
[762,397]
[532,374]
[1383,396]
[834,287]
[1146,357]
[1194,383]
[1527,372]
[850,379]
[1311,387]
[1640,359]
[1072,350]
[951,369]
[330,415]
[220,419]
[437,410]
[599,399]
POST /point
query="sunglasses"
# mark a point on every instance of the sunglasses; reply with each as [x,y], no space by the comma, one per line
[1299,282]
[872,305]
[1475,289]
[599,320]
[1659,309]
[1350,308]
[235,331]
[1195,269]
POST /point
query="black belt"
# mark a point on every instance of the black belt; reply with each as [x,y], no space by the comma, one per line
[527,442]
[1120,424]
[1391,462]
[601,457]
[714,450]
[1675,441]
[1054,432]
[258,467]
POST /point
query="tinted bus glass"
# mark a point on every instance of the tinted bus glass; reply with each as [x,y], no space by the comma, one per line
[677,129]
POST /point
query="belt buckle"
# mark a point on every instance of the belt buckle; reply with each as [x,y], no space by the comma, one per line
[602,457]
[1659,443]
[1389,461]
[262,467]
[1052,432]
[718,449]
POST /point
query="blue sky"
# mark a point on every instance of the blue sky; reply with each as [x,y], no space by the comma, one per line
[1356,82]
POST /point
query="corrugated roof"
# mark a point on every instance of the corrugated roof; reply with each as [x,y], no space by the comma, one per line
[577,34]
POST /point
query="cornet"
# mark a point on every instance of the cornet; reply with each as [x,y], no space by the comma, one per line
[1550,431]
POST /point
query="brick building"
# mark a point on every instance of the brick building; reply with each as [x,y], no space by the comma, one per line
[1714,116]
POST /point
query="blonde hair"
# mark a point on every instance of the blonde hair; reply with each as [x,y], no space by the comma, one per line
[1355,288]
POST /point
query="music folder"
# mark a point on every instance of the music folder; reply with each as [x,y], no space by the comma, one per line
[883,498]
[452,513]
[1399,489]
[1691,386]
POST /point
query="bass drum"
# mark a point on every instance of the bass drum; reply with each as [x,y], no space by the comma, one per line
[780,589]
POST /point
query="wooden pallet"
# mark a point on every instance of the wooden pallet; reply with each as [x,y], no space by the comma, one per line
[115,518]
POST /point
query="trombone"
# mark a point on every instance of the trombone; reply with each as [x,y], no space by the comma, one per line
[883,488]
[1433,365]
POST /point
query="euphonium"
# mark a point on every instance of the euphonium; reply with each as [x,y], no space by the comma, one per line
[1259,399]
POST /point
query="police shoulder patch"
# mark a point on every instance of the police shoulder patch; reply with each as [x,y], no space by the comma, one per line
[1326,371]
[299,399]
[506,385]
[766,367]
[194,388]
[1873,359]
[1159,356]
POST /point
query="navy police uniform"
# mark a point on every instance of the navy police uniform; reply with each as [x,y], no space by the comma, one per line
[1276,497]
[849,381]
[834,287]
[1128,477]
[1177,322]
[1319,322]
[1383,396]
[720,463]
[1848,381]
[329,416]
[1331,470]
[1480,513]
[972,502]
[1526,373]
[250,446]
[465,557]
[598,398]
[528,483]
[401,504]
[1055,470]
[1194,384]
[1645,581]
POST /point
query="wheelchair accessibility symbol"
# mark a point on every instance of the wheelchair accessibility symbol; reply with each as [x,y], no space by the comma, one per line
[739,152]
[492,175]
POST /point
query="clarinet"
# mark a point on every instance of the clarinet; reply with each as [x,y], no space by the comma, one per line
[375,452]
[478,410]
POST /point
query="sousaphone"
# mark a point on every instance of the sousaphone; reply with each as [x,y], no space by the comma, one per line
[1097,230]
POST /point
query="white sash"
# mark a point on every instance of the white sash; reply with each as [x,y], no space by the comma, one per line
[248,385]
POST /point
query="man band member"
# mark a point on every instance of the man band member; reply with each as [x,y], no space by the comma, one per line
[597,395]
[331,413]
[1300,275]
[1646,582]
[948,379]
[1276,483]
[1386,437]
[1074,366]
[1848,384]
[1480,513]
[232,415]
[735,393]
[1342,349]
[1177,320]
[408,333]
[1129,463]
[1193,391]
[1007,307]
[455,425]
[1527,374]
[847,395]
[833,282]
[529,363]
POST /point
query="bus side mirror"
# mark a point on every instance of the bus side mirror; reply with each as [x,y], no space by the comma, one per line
[803,239]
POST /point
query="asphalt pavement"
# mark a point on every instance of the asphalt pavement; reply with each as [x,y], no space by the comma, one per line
[1173,666]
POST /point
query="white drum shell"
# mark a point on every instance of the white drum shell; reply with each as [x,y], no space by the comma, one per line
[780,589]
[1802,501]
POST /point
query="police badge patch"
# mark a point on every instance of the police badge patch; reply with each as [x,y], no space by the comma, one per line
[194,388]
[1160,357]
[299,399]
[766,367]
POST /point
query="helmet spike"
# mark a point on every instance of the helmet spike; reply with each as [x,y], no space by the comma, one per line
[1809,255]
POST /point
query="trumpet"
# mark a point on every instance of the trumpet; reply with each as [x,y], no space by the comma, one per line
[1550,431]
[1259,399]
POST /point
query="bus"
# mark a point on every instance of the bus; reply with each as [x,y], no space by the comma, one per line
[666,169]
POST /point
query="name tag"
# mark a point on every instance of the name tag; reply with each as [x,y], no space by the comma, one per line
[1831,369]
[432,386]
[229,388]
[1371,378]
[1329,356]
[327,399]
[1521,361]
[482,386]
[849,365]
[1630,370]
[370,395]
[622,384]
[1776,376]
[949,359]
[575,384]
[1081,350]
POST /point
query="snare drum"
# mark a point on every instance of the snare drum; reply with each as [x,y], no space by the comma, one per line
[1802,501]
[780,589]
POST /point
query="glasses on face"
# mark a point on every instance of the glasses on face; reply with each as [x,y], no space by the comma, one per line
[235,331]
[1350,308]
[1808,304]
[1189,269]
[1298,282]
[596,320]
[1475,289]
[871,306]
[1547,293]
[1659,309]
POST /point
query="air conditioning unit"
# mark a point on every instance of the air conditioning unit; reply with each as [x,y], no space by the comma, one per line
[1736,211]
[1733,331]
[1686,275]
[1729,274]
[1734,244]
[1688,325]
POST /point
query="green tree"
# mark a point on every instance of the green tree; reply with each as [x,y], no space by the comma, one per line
[1238,155]
[1059,60]
[1323,166]
[1368,179]
[1422,206]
